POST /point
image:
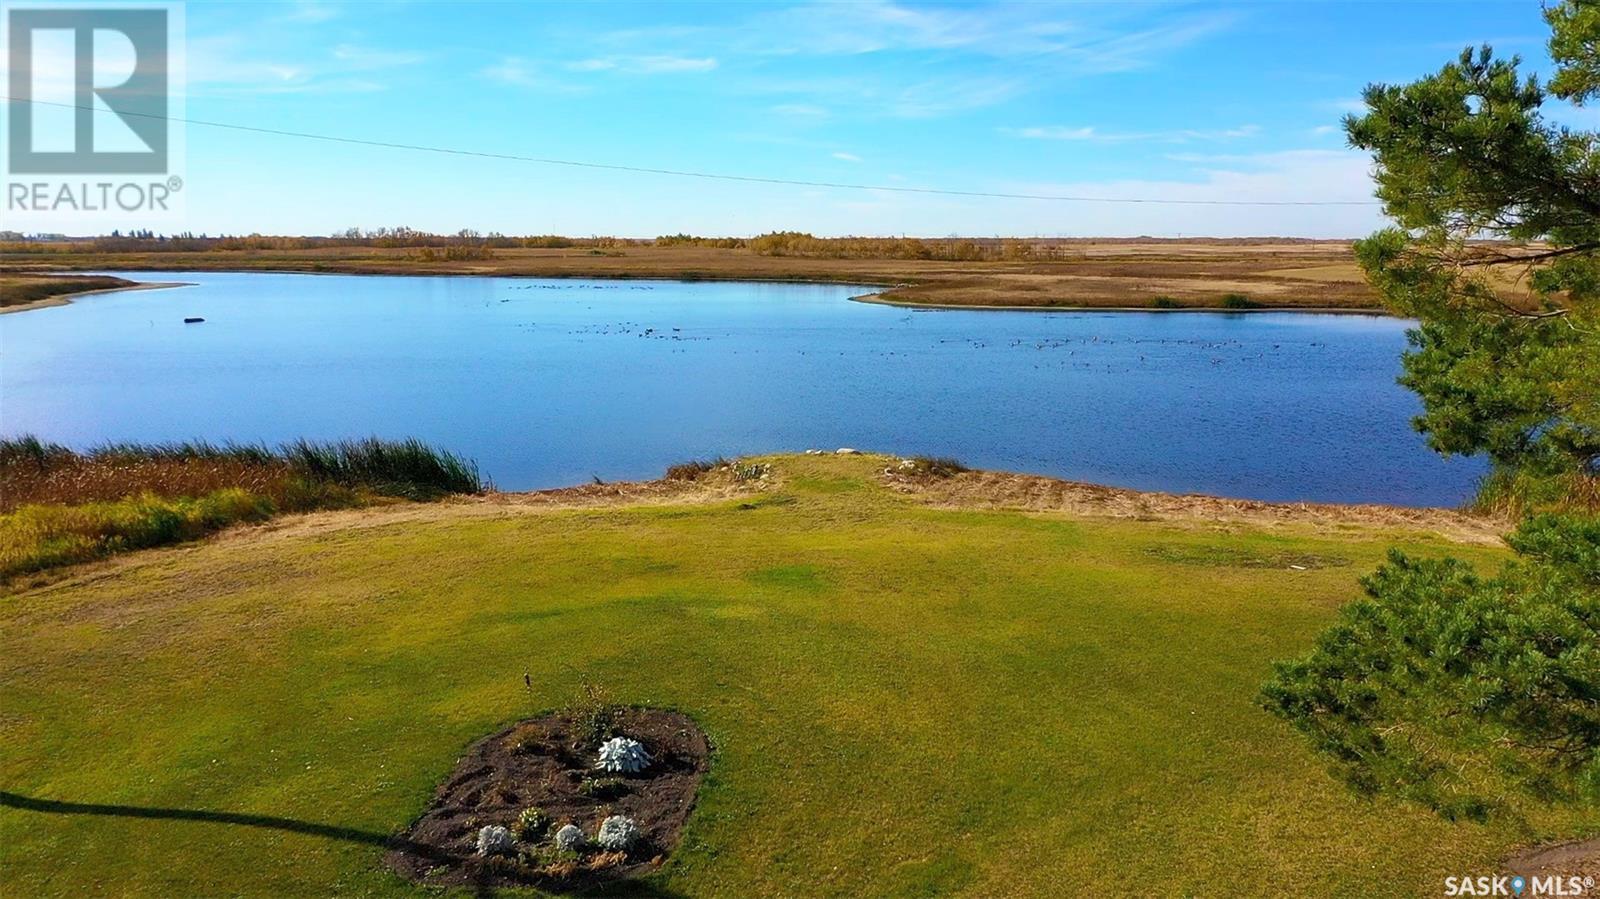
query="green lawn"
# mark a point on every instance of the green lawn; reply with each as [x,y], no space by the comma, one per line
[905,701]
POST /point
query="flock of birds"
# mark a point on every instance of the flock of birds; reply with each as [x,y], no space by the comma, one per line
[1215,352]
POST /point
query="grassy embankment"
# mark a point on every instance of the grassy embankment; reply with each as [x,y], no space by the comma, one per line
[20,289]
[908,695]
[58,507]
[1139,274]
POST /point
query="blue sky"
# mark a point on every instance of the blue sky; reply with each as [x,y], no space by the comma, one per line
[1144,99]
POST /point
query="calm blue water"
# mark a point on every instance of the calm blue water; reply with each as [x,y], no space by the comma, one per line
[548,383]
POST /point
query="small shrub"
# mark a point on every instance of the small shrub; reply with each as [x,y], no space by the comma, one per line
[750,471]
[593,715]
[495,840]
[530,825]
[603,788]
[1238,301]
[617,833]
[692,469]
[1165,302]
[569,838]
[932,467]
[550,859]
[624,755]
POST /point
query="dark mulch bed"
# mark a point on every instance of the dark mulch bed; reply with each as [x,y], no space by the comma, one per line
[543,762]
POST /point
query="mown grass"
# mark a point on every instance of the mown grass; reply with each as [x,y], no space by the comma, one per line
[58,506]
[904,700]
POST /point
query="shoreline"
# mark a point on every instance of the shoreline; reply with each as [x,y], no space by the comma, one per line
[1122,275]
[1002,489]
[878,299]
[65,299]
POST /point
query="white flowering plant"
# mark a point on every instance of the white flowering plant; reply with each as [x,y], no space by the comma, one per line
[623,755]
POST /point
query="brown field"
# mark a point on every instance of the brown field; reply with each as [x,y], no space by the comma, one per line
[1099,273]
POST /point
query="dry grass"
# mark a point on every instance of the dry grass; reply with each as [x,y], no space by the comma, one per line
[59,507]
[1004,490]
[22,289]
[82,479]
[1277,273]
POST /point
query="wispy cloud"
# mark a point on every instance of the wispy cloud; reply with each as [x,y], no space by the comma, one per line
[983,56]
[1089,133]
[309,12]
[847,157]
[1082,38]
[229,64]
[800,111]
[517,71]
[367,58]
[1346,160]
[942,96]
[1304,174]
[645,65]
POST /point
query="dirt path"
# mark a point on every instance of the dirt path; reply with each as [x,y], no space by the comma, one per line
[1579,858]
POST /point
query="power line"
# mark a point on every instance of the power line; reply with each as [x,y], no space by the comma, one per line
[714,176]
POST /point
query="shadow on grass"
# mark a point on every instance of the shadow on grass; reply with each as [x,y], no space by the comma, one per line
[272,822]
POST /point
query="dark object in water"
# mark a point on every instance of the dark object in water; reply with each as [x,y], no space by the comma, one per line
[193,321]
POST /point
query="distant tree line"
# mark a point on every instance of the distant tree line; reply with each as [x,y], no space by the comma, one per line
[798,244]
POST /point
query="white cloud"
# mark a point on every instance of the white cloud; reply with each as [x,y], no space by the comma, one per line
[1090,133]
[1053,132]
[847,157]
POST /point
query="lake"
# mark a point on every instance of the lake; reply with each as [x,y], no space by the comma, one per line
[552,382]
